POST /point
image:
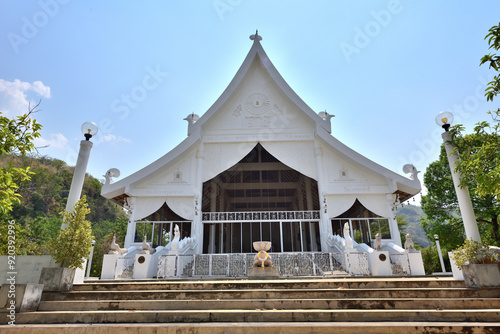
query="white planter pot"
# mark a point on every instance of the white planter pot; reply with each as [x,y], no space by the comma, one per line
[57,278]
[481,275]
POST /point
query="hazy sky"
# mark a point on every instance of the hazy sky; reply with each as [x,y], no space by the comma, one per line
[137,68]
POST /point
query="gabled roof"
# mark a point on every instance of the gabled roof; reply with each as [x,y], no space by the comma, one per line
[405,187]
[257,51]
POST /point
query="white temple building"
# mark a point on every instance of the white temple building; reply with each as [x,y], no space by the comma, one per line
[260,164]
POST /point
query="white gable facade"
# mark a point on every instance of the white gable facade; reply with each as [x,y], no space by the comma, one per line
[261,165]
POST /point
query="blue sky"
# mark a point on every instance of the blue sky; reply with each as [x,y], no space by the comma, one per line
[136,69]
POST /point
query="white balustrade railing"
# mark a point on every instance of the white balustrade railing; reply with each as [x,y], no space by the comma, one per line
[260,216]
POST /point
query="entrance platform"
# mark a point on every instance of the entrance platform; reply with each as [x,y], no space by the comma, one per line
[305,305]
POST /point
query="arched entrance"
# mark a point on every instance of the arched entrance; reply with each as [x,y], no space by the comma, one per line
[158,227]
[363,224]
[257,199]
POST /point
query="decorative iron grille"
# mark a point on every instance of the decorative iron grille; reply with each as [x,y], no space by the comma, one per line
[289,264]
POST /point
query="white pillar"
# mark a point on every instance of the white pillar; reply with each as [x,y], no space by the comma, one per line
[89,263]
[130,206]
[325,227]
[393,221]
[464,201]
[75,191]
[197,226]
[440,256]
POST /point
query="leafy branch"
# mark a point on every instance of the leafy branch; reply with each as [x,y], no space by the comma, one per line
[16,138]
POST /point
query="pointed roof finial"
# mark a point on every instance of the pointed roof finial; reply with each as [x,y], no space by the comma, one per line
[256,37]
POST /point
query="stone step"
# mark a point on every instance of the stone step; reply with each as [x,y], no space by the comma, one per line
[375,305]
[272,294]
[259,315]
[261,328]
[278,304]
[373,283]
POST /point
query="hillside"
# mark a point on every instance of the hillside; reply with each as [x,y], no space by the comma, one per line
[412,214]
[43,198]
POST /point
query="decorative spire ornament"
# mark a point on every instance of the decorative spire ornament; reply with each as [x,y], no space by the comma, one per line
[256,37]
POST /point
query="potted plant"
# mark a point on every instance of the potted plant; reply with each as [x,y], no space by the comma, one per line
[479,264]
[70,249]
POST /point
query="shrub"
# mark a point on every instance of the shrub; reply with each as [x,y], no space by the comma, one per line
[73,244]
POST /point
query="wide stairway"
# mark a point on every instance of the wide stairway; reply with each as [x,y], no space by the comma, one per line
[318,305]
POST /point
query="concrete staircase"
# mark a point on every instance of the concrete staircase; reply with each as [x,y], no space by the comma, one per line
[343,305]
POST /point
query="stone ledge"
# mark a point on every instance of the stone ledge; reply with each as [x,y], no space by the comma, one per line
[262,272]
[261,328]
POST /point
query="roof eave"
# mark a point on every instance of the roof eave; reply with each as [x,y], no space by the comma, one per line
[407,185]
[120,187]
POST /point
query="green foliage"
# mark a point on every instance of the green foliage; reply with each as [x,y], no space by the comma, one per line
[432,264]
[22,245]
[479,154]
[493,60]
[9,179]
[41,230]
[73,244]
[473,252]
[16,138]
[17,135]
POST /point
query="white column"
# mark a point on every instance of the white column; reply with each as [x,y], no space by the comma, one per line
[89,263]
[464,201]
[213,208]
[393,222]
[325,227]
[75,191]
[443,268]
[197,226]
[130,206]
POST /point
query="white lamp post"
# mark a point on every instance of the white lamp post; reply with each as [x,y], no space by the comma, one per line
[89,129]
[444,119]
[439,253]
[90,259]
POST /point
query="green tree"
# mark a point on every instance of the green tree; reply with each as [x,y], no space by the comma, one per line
[41,230]
[442,215]
[480,152]
[16,138]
